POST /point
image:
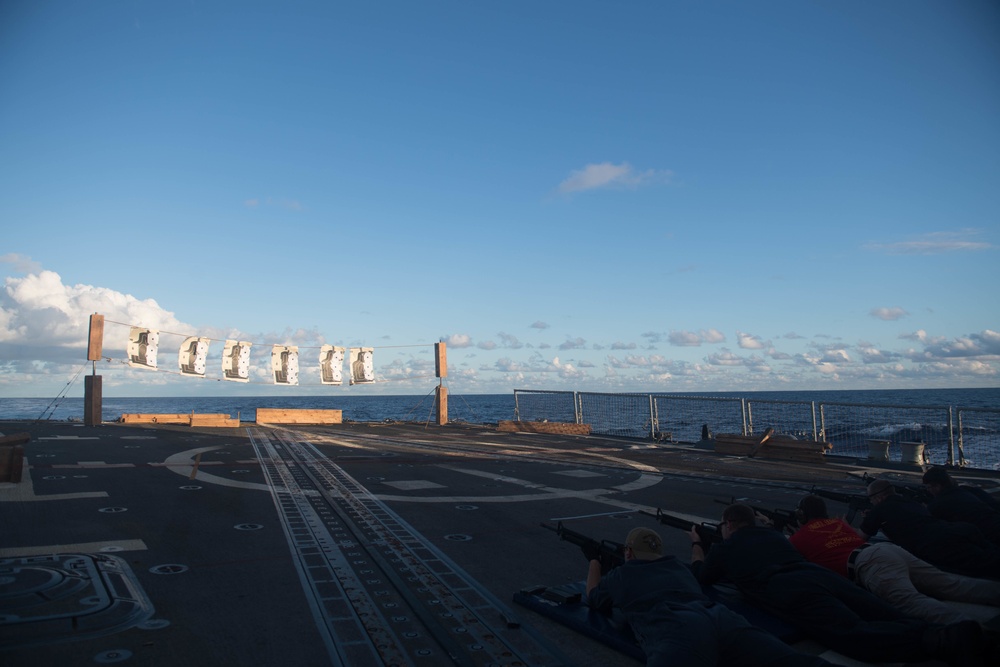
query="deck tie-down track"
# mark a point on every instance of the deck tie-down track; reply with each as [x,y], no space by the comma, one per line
[380,593]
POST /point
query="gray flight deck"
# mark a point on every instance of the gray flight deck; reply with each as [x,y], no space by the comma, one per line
[355,544]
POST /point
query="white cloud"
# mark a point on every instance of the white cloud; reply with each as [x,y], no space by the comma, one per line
[985,344]
[21,263]
[684,339]
[567,371]
[572,344]
[934,243]
[605,175]
[695,339]
[889,314]
[873,355]
[989,341]
[508,365]
[712,336]
[458,340]
[43,319]
[509,341]
[749,341]
[836,357]
[539,325]
[725,359]
[918,335]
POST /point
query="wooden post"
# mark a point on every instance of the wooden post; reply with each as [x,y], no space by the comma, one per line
[92,384]
[441,360]
[92,400]
[442,405]
[96,345]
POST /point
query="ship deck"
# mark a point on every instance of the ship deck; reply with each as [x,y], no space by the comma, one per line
[354,544]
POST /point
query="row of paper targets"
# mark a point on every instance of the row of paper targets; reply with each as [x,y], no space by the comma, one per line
[193,359]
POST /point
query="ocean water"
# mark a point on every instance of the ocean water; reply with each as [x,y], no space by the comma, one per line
[473,408]
[850,418]
[477,408]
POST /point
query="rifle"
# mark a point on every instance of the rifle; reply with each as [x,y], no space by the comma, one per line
[708,533]
[909,490]
[779,518]
[610,554]
[855,503]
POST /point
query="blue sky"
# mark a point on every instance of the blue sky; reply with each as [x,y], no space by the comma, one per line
[601,196]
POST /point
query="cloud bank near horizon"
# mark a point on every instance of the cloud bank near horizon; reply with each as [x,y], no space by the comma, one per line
[44,322]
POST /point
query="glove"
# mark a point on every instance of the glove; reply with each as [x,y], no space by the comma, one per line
[591,551]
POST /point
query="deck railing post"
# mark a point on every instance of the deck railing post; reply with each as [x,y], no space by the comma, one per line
[951,438]
[652,418]
[822,423]
[812,406]
[961,442]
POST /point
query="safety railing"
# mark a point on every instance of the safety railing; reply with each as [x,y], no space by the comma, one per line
[940,434]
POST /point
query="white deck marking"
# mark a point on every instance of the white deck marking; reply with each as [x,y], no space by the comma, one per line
[579,473]
[25,490]
[547,492]
[79,548]
[93,464]
[414,485]
[182,463]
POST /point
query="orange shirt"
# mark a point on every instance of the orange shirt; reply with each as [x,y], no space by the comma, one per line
[827,542]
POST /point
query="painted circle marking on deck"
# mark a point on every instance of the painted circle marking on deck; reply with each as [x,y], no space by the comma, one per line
[458,537]
[467,507]
[182,463]
[191,488]
[248,526]
[643,481]
[113,510]
[114,655]
[54,477]
[168,568]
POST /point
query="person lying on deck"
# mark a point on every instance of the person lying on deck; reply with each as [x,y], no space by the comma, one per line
[961,502]
[913,586]
[954,546]
[768,570]
[672,619]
